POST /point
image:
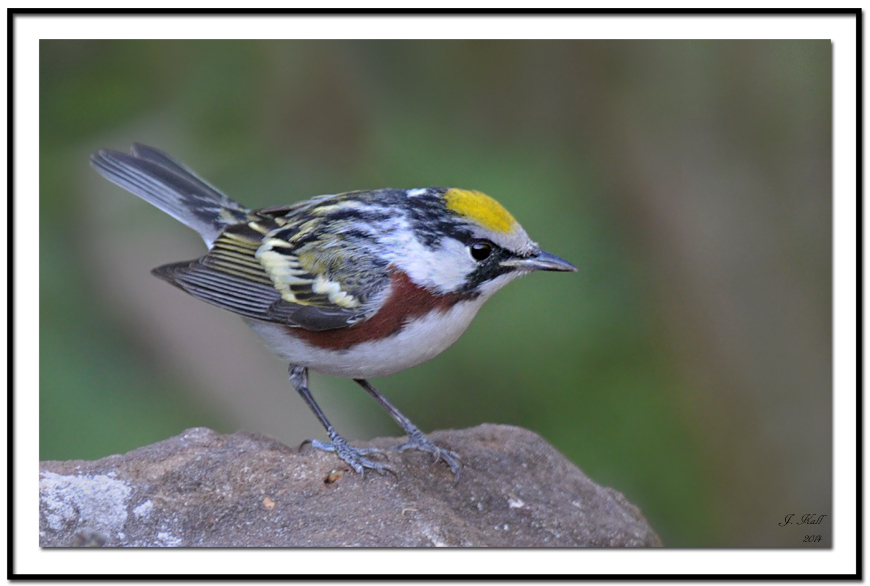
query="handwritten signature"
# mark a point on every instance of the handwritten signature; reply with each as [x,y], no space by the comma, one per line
[808,519]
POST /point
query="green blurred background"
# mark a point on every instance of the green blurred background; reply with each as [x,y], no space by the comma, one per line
[687,364]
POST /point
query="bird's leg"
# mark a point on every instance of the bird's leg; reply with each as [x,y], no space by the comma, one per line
[416,439]
[353,456]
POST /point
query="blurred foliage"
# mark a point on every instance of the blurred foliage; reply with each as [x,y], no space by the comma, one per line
[599,362]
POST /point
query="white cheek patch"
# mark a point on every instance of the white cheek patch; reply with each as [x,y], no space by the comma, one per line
[443,270]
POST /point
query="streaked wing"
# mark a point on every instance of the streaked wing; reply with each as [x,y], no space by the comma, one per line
[257,270]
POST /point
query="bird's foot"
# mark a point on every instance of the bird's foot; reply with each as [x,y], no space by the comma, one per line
[354,457]
[418,441]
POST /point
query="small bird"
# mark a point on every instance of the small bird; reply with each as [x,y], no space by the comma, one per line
[358,285]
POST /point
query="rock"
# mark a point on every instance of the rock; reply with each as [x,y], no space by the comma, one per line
[205,489]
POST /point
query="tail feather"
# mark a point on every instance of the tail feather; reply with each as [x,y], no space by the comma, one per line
[167,184]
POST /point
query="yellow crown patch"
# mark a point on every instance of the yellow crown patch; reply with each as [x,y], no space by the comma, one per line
[481,208]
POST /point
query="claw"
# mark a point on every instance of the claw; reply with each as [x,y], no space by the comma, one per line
[328,447]
[354,457]
[419,442]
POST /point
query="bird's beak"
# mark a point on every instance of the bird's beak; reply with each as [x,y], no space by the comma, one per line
[540,261]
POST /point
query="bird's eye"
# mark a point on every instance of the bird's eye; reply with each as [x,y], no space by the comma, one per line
[480,250]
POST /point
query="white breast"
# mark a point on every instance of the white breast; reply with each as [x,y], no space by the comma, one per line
[418,341]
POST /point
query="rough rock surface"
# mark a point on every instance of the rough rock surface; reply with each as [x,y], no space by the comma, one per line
[202,488]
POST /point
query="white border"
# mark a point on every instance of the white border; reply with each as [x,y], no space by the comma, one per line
[429,27]
[842,559]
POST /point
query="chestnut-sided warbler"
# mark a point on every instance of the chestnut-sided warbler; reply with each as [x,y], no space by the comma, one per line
[359,285]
